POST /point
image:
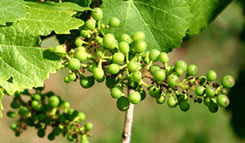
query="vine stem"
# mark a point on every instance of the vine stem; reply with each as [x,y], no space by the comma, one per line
[126,137]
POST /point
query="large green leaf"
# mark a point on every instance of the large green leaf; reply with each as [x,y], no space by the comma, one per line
[22,63]
[164,21]
[11,10]
[204,11]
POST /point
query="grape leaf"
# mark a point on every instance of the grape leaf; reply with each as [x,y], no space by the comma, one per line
[204,11]
[11,10]
[164,21]
[84,3]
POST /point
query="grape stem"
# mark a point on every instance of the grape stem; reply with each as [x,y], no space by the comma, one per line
[126,137]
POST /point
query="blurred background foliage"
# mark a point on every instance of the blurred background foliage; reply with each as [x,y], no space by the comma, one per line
[220,47]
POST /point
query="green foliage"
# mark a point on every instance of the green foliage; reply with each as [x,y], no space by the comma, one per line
[11,10]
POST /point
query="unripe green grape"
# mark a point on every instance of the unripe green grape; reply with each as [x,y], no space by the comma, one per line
[90,24]
[159,75]
[199,90]
[154,54]
[60,49]
[123,103]
[222,100]
[69,137]
[98,73]
[154,68]
[109,41]
[118,58]
[211,75]
[134,97]
[87,82]
[136,76]
[192,70]
[228,81]
[114,22]
[173,80]
[113,69]
[184,106]
[67,79]
[163,57]
[81,49]
[140,46]
[84,139]
[53,101]
[111,82]
[154,92]
[74,64]
[91,66]
[81,56]
[11,114]
[65,105]
[17,133]
[172,102]
[224,91]
[72,76]
[181,65]
[51,136]
[99,40]
[202,79]
[34,104]
[142,94]
[79,42]
[88,126]
[41,133]
[133,66]
[85,33]
[97,13]
[207,101]
[210,91]
[124,47]
[126,38]
[160,100]
[133,84]
[179,71]
[81,117]
[13,126]
[138,36]
[37,96]
[116,92]
[213,107]
[23,111]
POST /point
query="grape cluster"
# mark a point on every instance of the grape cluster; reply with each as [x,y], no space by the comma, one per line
[124,62]
[47,110]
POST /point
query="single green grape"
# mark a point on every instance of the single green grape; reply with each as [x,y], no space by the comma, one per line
[88,126]
[184,106]
[72,76]
[213,107]
[111,82]
[13,126]
[199,90]
[192,70]
[133,66]
[154,92]
[116,92]
[67,79]
[69,137]
[222,100]
[211,75]
[98,73]
[65,105]
[172,102]
[140,46]
[154,68]
[179,71]
[85,33]
[23,111]
[34,104]
[228,81]
[74,64]
[136,76]
[109,41]
[180,64]
[114,22]
[123,103]
[160,100]
[113,69]
[163,57]
[41,133]
[173,80]
[79,42]
[154,55]
[53,101]
[118,58]
[91,66]
[81,116]
[134,97]
[11,114]
[210,92]
[138,36]
[142,94]
[97,13]
[60,49]
[207,101]
[81,56]
[37,96]
[51,136]
[90,24]
[87,82]
[126,38]
[124,47]
[159,75]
